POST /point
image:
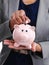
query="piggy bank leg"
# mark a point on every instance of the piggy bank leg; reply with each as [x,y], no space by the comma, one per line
[29,46]
[16,45]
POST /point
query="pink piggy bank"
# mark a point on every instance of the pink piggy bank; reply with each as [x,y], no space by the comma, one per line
[23,35]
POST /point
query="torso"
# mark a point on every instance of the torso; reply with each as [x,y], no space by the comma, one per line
[31,10]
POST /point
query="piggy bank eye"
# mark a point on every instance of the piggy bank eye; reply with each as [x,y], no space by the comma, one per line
[26,30]
[22,30]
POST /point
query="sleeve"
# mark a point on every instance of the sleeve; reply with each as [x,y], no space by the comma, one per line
[45,49]
[5,31]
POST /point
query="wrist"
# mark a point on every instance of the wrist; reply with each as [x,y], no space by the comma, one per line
[11,25]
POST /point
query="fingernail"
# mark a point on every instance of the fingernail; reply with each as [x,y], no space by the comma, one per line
[26,21]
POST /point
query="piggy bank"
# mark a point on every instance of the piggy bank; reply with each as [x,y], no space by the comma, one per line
[24,35]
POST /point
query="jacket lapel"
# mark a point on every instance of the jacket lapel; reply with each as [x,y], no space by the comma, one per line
[42,22]
[13,6]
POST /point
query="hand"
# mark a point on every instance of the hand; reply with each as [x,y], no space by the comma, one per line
[10,44]
[36,47]
[18,17]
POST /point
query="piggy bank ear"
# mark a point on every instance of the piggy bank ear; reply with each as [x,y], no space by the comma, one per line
[33,28]
[16,26]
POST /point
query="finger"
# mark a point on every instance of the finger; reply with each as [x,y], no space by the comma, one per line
[27,19]
[18,48]
[22,48]
[13,18]
[20,16]
[22,12]
[14,21]
[9,40]
[19,20]
[23,18]
[34,47]
[11,46]
[6,42]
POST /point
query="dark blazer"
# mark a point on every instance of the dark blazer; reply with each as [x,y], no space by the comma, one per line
[42,31]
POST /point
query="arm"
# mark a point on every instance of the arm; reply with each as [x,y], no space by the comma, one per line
[7,26]
[41,48]
[5,31]
[45,48]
